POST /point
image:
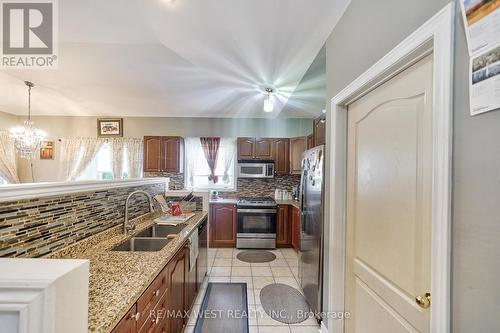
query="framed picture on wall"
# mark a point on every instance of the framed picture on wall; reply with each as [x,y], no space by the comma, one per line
[47,150]
[109,127]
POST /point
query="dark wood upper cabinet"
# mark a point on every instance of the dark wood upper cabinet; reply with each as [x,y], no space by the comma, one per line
[152,148]
[297,148]
[319,130]
[264,149]
[283,227]
[246,148]
[170,154]
[281,156]
[162,154]
[310,141]
[222,225]
[295,212]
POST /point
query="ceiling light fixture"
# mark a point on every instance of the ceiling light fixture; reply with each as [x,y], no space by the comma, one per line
[268,104]
[27,138]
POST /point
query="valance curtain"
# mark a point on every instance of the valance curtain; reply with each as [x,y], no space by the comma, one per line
[211,149]
[8,165]
[76,155]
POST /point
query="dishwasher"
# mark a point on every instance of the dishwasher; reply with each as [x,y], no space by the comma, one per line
[202,252]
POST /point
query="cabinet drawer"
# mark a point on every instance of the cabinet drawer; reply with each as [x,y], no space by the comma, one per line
[150,297]
[156,319]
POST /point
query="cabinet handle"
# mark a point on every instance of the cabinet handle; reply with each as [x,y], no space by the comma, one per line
[156,293]
[135,316]
[156,321]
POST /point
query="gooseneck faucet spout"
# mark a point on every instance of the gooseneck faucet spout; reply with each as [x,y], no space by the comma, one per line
[127,226]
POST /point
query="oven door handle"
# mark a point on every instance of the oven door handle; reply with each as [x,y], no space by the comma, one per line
[256,211]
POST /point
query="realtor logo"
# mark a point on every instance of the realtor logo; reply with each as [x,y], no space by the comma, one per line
[29,34]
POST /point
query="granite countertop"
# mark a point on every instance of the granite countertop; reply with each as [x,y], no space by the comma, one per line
[293,203]
[118,279]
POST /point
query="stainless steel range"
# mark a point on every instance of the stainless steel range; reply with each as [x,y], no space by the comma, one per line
[256,223]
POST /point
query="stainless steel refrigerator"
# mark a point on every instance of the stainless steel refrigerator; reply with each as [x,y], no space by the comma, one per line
[311,226]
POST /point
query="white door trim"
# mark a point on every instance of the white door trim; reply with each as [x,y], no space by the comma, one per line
[435,36]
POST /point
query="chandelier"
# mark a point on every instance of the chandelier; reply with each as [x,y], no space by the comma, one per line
[27,138]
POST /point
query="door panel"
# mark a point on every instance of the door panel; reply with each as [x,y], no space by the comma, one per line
[246,148]
[223,225]
[281,156]
[152,149]
[170,154]
[297,147]
[264,149]
[389,204]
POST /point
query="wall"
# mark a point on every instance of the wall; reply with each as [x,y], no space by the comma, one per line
[66,127]
[35,227]
[368,30]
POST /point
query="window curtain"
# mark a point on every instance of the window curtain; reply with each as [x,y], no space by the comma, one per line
[211,149]
[135,157]
[191,146]
[76,155]
[8,165]
[117,149]
[227,153]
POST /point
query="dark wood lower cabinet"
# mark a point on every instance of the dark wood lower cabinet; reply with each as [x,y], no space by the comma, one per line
[162,307]
[177,304]
[128,324]
[295,212]
[222,225]
[283,227]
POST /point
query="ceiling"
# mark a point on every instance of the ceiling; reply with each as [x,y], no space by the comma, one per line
[186,58]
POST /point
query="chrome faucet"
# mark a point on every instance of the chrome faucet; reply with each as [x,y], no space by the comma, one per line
[127,226]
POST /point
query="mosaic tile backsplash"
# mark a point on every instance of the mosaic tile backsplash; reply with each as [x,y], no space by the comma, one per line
[35,227]
[244,187]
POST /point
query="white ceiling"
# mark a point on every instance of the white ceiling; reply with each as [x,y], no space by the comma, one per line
[196,58]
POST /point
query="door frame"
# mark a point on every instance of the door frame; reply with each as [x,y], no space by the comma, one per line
[435,37]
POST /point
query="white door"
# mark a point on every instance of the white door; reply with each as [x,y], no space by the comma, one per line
[388,236]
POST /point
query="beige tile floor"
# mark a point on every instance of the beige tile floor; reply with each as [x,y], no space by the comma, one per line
[225,267]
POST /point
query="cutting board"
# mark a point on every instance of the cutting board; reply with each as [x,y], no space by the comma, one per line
[170,219]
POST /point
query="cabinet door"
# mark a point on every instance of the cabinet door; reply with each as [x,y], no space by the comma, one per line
[152,152]
[295,228]
[170,154]
[191,282]
[310,141]
[177,276]
[297,148]
[128,323]
[283,227]
[264,149]
[319,131]
[246,148]
[281,156]
[222,225]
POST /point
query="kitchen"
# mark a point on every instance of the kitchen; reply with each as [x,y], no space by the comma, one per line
[183,166]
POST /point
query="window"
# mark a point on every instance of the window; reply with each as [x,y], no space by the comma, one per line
[101,167]
[197,169]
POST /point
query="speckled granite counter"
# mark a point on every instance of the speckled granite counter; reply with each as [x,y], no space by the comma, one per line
[293,203]
[117,279]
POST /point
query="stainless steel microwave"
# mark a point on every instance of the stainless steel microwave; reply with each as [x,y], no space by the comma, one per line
[255,170]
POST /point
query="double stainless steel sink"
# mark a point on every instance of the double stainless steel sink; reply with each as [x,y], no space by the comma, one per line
[150,239]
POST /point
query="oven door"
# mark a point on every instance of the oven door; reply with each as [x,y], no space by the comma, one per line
[256,223]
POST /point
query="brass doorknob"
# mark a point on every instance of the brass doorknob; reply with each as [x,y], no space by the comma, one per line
[424,301]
